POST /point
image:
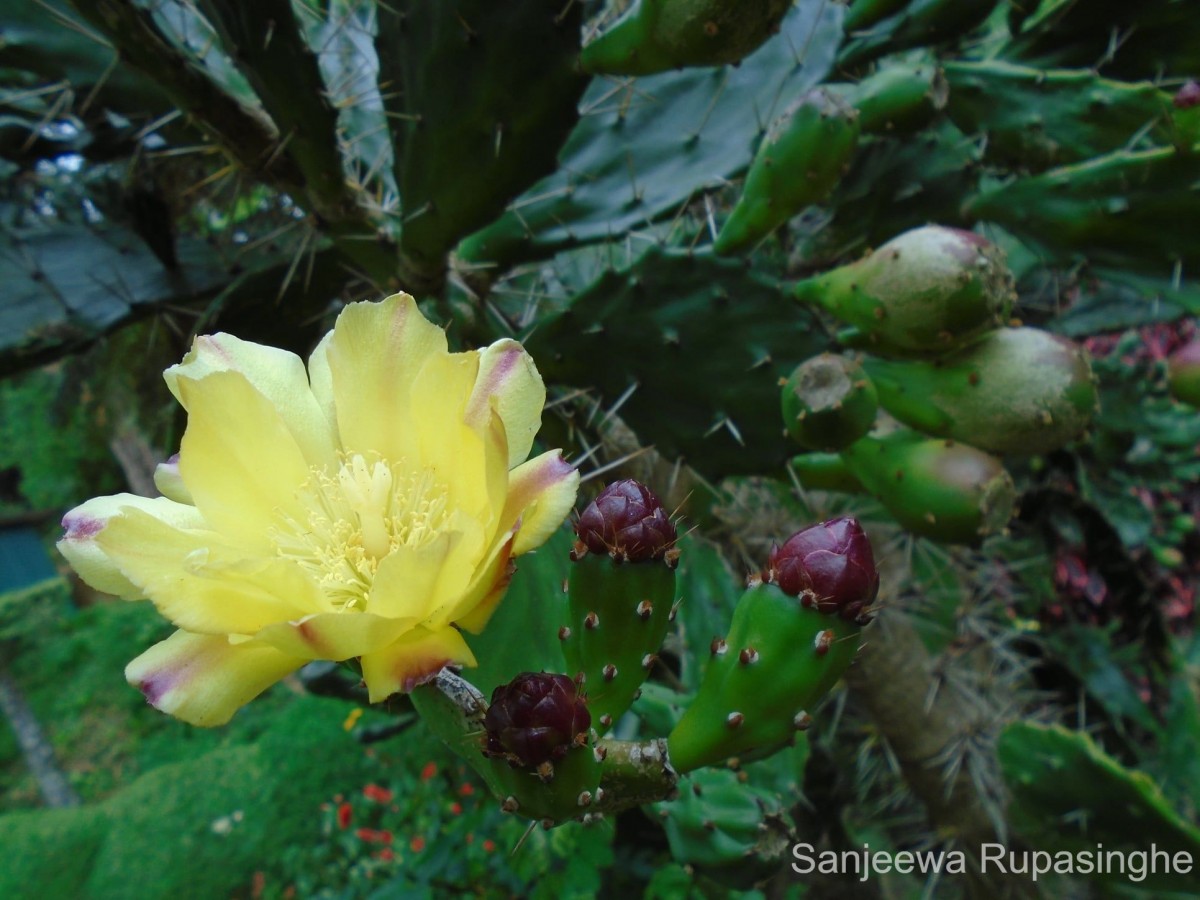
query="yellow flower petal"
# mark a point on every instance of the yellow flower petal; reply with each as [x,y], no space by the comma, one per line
[413,660]
[479,601]
[509,382]
[84,524]
[540,493]
[336,636]
[276,374]
[199,582]
[239,459]
[376,351]
[170,483]
[204,679]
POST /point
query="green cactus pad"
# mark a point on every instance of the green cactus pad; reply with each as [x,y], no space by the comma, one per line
[935,488]
[1125,210]
[801,158]
[617,616]
[699,343]
[644,150]
[777,662]
[659,35]
[480,96]
[1017,390]
[828,403]
[1035,118]
[1070,795]
[929,290]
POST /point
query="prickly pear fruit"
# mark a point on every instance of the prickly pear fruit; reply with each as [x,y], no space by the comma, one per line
[1017,390]
[933,487]
[899,98]
[782,653]
[1183,373]
[828,403]
[800,161]
[659,35]
[929,290]
[537,739]
[620,593]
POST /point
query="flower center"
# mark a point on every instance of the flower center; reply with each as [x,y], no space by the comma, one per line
[355,517]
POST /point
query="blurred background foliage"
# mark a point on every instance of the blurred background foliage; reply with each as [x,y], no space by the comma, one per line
[174,167]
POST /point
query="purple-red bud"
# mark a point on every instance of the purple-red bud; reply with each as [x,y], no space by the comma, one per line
[830,566]
[535,718]
[628,522]
[1187,96]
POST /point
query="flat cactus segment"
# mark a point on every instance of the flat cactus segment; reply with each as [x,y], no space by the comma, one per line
[928,290]
[1125,210]
[659,35]
[699,344]
[828,403]
[938,489]
[1018,390]
[799,162]
[617,616]
[719,823]
[921,23]
[1035,119]
[776,663]
[481,96]
[1070,795]
[899,98]
[644,148]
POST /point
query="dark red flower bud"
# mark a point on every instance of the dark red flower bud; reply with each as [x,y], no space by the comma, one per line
[628,522]
[829,566]
[1187,96]
[535,718]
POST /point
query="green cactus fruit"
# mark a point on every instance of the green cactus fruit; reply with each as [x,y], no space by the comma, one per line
[1183,373]
[1017,390]
[921,23]
[828,403]
[782,653]
[825,472]
[939,489]
[929,290]
[900,98]
[659,35]
[802,156]
[620,594]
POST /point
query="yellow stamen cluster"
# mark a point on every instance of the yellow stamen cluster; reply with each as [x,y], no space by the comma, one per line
[356,516]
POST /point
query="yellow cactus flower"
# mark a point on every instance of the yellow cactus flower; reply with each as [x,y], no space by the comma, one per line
[368,508]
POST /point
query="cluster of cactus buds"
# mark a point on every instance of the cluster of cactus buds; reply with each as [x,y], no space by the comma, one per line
[794,632]
[932,306]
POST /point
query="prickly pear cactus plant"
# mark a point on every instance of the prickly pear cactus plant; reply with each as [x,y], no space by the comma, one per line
[858,263]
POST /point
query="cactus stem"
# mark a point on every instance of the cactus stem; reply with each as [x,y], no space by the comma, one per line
[802,720]
[735,720]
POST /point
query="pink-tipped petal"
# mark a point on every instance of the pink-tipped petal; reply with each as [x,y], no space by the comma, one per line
[509,382]
[204,679]
[413,660]
[540,494]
